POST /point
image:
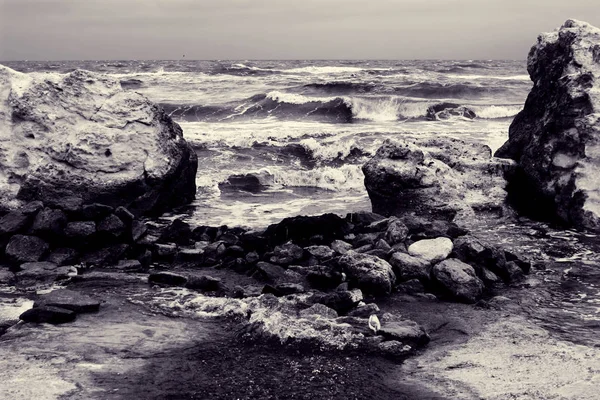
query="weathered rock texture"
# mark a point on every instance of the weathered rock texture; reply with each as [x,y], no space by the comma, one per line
[78,138]
[556,138]
[436,177]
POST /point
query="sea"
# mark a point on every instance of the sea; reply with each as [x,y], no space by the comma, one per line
[303,129]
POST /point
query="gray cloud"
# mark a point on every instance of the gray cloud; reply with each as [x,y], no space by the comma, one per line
[280,29]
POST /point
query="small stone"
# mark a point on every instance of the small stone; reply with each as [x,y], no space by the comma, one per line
[394,349]
[125,215]
[178,232]
[413,286]
[165,250]
[459,280]
[111,225]
[96,211]
[204,283]
[129,265]
[48,314]
[138,230]
[341,247]
[62,256]
[383,245]
[432,250]
[407,267]
[287,254]
[6,277]
[396,232]
[252,257]
[167,278]
[290,288]
[407,332]
[318,310]
[21,249]
[49,222]
[32,207]
[365,239]
[364,311]
[14,222]
[269,272]
[70,300]
[81,230]
[320,252]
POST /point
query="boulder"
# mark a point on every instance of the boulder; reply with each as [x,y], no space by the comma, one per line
[269,272]
[79,138]
[435,178]
[49,223]
[396,232]
[320,252]
[178,232]
[364,311]
[111,227]
[555,138]
[34,273]
[68,299]
[22,249]
[431,250]
[341,247]
[370,273]
[318,310]
[340,301]
[96,212]
[458,280]
[14,222]
[80,231]
[62,256]
[481,255]
[287,254]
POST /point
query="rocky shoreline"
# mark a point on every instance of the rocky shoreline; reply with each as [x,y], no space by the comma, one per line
[376,286]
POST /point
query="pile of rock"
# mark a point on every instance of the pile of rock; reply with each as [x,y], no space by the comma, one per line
[333,257]
[42,244]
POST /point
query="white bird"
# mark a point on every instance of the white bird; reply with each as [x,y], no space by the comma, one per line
[374,323]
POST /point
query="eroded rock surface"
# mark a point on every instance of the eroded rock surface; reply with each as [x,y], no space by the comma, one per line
[556,138]
[78,138]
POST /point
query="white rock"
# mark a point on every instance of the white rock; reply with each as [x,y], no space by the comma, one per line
[431,250]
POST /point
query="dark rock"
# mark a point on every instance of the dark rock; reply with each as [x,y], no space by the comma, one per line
[111,226]
[396,232]
[35,273]
[138,230]
[301,229]
[32,208]
[364,249]
[364,218]
[407,267]
[125,215]
[252,258]
[269,289]
[479,254]
[364,311]
[458,280]
[62,256]
[204,283]
[165,252]
[234,252]
[407,332]
[96,212]
[105,256]
[145,258]
[269,272]
[287,254]
[48,314]
[129,266]
[253,241]
[253,182]
[229,239]
[70,300]
[81,231]
[190,257]
[383,254]
[323,277]
[69,204]
[167,278]
[364,239]
[445,110]
[14,222]
[320,252]
[21,249]
[340,301]
[413,286]
[554,138]
[383,245]
[290,288]
[49,223]
[371,274]
[521,261]
[177,232]
[6,277]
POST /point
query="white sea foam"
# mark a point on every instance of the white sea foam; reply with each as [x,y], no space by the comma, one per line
[493,112]
[346,177]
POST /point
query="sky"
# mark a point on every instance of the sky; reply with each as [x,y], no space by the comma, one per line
[280,29]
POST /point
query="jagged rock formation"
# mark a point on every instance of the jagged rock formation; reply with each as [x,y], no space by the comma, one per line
[435,178]
[78,138]
[556,138]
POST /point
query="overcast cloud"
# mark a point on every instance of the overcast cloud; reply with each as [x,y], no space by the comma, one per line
[280,29]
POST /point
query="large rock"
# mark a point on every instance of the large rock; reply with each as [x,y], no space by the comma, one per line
[22,249]
[79,138]
[370,273]
[431,250]
[435,178]
[556,138]
[68,299]
[459,280]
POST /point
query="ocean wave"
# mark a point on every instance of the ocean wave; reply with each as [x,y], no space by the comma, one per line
[497,111]
[346,177]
